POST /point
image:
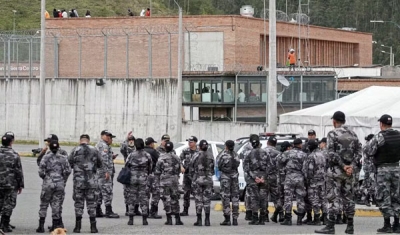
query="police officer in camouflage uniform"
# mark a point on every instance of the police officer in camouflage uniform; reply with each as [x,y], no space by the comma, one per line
[273,188]
[285,146]
[54,169]
[46,150]
[322,147]
[228,162]
[311,135]
[202,169]
[344,153]
[154,185]
[15,192]
[246,151]
[127,147]
[256,166]
[85,160]
[140,164]
[385,147]
[292,161]
[106,184]
[315,170]
[12,179]
[167,172]
[185,157]
[369,183]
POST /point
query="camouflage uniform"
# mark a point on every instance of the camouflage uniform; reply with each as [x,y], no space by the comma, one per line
[201,170]
[11,179]
[105,185]
[281,182]
[388,170]
[140,165]
[125,151]
[246,151]
[153,184]
[369,183]
[185,157]
[343,149]
[257,164]
[307,203]
[39,159]
[292,161]
[85,161]
[315,170]
[167,172]
[54,169]
[273,188]
[228,163]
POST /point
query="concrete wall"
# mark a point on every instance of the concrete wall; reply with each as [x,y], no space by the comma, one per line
[75,106]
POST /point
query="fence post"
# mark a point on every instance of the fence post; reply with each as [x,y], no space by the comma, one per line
[9,57]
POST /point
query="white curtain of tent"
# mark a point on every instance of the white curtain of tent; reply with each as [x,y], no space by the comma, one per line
[362,110]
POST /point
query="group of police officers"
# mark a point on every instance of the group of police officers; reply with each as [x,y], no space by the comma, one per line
[321,175]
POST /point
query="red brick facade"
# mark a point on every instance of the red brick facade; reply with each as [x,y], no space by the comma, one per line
[243,40]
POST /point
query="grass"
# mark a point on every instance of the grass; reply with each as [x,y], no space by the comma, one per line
[28,11]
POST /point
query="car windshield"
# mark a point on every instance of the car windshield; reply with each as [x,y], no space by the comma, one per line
[241,144]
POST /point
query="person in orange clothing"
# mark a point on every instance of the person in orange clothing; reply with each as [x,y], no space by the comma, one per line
[46,15]
[148,12]
[292,59]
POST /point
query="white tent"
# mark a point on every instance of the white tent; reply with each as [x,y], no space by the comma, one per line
[362,109]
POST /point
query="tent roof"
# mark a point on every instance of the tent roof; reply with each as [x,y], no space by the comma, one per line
[370,102]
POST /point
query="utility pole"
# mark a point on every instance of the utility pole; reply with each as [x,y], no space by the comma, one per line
[42,98]
[179,91]
[272,99]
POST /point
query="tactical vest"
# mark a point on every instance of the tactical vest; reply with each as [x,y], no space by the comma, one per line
[390,151]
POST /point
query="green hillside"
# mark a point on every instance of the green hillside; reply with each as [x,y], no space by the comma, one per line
[330,13]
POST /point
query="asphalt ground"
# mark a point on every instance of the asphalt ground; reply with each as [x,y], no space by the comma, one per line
[25,216]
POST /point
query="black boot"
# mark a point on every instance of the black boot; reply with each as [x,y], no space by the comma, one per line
[317,220]
[254,219]
[261,219]
[339,219]
[396,226]
[234,221]
[350,226]
[185,211]
[144,217]
[366,201]
[281,217]
[227,221]
[56,224]
[288,219]
[308,219]
[154,213]
[78,225]
[386,226]
[199,221]
[249,215]
[5,223]
[207,220]
[93,227]
[267,216]
[130,222]
[40,229]
[274,217]
[61,223]
[324,218]
[300,216]
[126,210]
[110,213]
[99,212]
[137,212]
[344,219]
[178,220]
[169,220]
[329,228]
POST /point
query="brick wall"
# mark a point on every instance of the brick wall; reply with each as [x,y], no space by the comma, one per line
[242,44]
